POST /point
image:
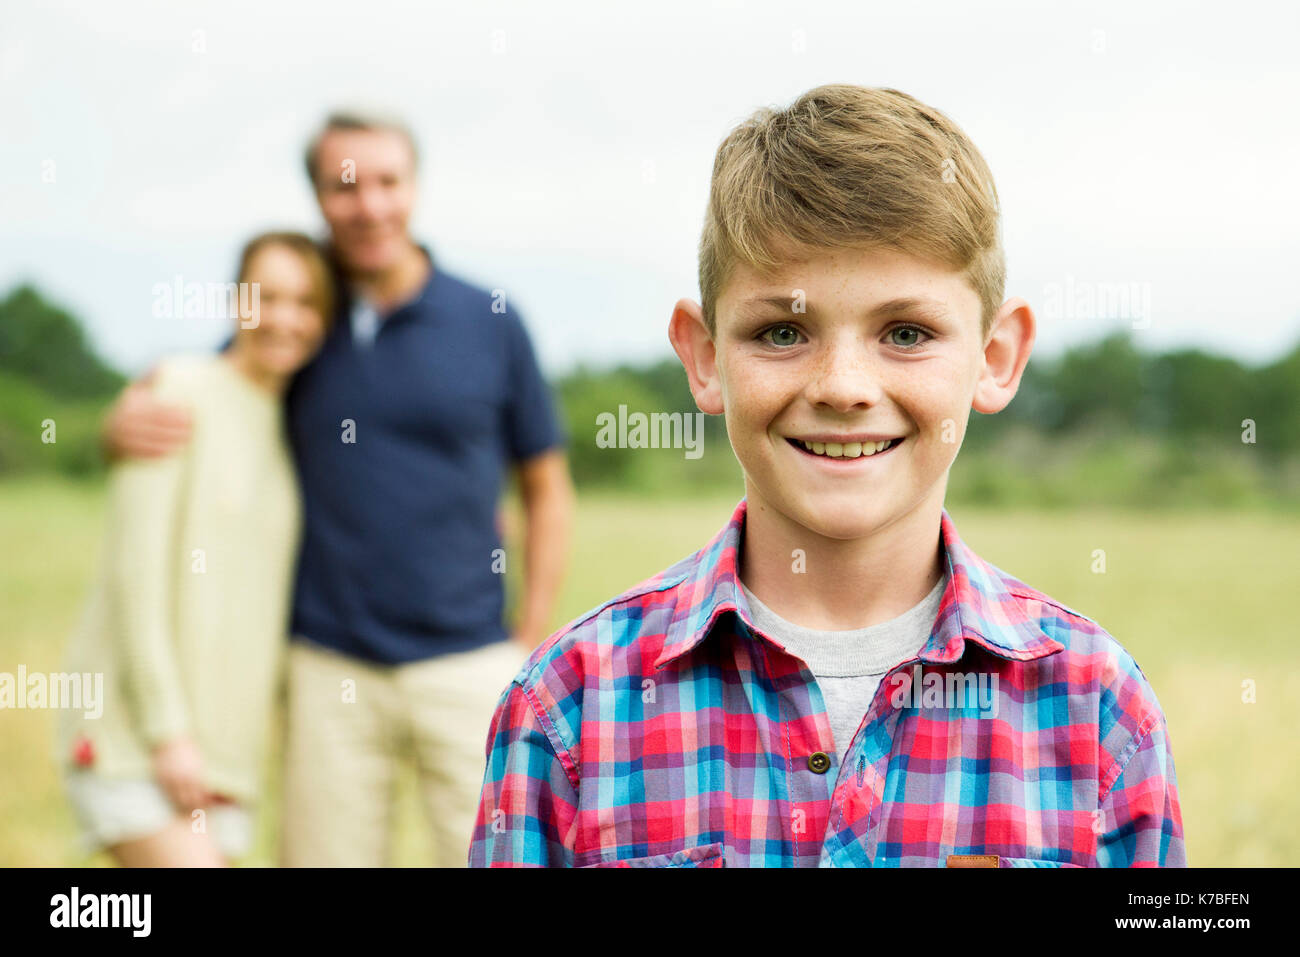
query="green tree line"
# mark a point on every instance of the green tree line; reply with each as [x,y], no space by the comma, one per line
[52,388]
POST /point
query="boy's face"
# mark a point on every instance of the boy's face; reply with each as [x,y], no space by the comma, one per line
[846,348]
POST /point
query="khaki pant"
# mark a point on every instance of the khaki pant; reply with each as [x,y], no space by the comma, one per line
[349,721]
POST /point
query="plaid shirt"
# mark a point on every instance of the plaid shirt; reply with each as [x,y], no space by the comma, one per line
[663,730]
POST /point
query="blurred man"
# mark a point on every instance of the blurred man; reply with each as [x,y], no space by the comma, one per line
[403,429]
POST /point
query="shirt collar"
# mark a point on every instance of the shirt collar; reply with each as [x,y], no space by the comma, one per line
[976,604]
[352,303]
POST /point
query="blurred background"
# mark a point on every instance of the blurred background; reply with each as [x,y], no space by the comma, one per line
[1145,158]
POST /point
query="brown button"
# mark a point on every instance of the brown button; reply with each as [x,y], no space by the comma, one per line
[819,762]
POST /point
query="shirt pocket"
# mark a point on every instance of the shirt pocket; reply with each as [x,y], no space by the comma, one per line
[1031,862]
[704,855]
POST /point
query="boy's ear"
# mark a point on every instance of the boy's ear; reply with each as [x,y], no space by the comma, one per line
[694,346]
[1006,353]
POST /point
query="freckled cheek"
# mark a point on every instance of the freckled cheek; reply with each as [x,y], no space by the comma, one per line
[937,420]
[754,400]
[928,405]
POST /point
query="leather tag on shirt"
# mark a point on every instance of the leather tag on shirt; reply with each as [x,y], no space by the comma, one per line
[973,860]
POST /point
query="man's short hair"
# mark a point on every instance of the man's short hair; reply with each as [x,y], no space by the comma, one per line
[855,167]
[357,120]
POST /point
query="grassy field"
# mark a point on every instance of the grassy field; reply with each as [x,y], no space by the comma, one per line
[1197,598]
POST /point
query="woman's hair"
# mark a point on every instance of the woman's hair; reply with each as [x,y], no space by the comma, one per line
[322,276]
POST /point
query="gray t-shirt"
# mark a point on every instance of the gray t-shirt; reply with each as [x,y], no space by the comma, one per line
[848,665]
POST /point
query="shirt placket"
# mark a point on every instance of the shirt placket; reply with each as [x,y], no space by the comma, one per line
[808,745]
[857,803]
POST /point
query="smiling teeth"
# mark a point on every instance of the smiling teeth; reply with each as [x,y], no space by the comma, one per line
[851,450]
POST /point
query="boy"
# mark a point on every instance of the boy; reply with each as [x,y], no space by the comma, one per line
[836,679]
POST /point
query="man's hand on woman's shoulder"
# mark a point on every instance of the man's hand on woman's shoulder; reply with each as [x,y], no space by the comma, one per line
[140,425]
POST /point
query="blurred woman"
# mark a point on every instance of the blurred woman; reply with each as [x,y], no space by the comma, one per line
[189,617]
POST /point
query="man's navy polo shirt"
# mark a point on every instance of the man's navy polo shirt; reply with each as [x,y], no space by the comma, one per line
[400,525]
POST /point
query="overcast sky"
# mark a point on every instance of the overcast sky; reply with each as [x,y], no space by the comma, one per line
[1142,147]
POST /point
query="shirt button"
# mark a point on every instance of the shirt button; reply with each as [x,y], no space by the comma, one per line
[819,762]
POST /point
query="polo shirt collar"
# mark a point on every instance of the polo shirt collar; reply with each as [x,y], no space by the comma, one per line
[976,604]
[350,302]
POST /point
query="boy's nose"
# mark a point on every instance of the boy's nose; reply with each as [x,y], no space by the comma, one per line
[844,381]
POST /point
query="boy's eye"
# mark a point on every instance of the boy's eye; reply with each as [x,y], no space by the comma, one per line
[782,335]
[914,333]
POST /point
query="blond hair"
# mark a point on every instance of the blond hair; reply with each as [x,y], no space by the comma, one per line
[852,166]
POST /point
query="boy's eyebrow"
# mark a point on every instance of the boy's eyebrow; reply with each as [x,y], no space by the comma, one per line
[912,304]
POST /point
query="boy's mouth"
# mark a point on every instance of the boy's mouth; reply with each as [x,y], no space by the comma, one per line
[846,451]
